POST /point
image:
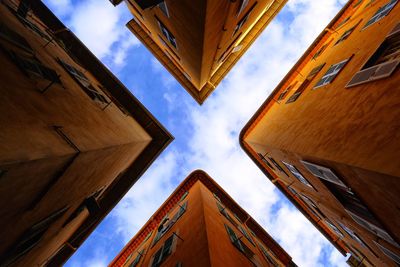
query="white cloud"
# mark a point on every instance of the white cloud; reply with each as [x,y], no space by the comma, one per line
[214,127]
[214,145]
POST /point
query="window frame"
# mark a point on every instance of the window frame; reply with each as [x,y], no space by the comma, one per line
[331,74]
[297,174]
[167,34]
[388,7]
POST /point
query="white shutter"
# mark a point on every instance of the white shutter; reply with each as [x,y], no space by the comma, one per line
[377,230]
[323,173]
[385,69]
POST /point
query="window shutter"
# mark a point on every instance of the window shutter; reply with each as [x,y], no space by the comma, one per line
[377,230]
[362,76]
[385,69]
[323,173]
[395,257]
[157,258]
[167,249]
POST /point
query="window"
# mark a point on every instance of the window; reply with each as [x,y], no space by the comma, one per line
[224,212]
[383,62]
[242,246]
[14,38]
[395,257]
[32,67]
[296,173]
[332,72]
[334,228]
[357,210]
[277,166]
[305,83]
[370,224]
[145,4]
[216,197]
[32,237]
[241,22]
[268,255]
[164,8]
[312,206]
[345,35]
[167,34]
[84,83]
[382,12]
[263,159]
[163,252]
[323,173]
[167,223]
[184,196]
[33,27]
[243,5]
[319,52]
[284,93]
[136,261]
[352,234]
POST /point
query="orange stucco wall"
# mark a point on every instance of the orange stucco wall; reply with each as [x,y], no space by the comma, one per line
[354,131]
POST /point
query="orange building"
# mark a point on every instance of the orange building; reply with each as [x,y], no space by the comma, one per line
[199,41]
[329,134]
[73,139]
[201,225]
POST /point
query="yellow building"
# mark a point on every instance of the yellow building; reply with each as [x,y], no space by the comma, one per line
[200,225]
[199,41]
[73,139]
[328,135]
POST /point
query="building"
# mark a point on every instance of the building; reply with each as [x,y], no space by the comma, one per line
[199,41]
[328,135]
[73,138]
[201,225]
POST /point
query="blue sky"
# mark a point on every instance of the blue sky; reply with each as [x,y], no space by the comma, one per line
[206,137]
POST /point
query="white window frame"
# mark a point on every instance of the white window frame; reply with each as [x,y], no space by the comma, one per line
[164,8]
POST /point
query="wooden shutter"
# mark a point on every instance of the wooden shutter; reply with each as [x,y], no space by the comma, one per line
[385,69]
[361,77]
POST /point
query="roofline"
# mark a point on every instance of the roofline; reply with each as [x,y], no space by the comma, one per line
[253,120]
[201,95]
[161,138]
[173,199]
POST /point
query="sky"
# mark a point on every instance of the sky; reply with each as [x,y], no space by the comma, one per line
[207,136]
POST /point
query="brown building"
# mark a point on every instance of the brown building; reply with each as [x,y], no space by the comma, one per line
[329,135]
[73,139]
[201,225]
[199,41]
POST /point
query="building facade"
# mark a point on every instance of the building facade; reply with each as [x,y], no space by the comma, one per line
[328,135]
[73,139]
[201,225]
[199,41]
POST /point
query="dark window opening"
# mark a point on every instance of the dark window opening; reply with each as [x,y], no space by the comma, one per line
[268,256]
